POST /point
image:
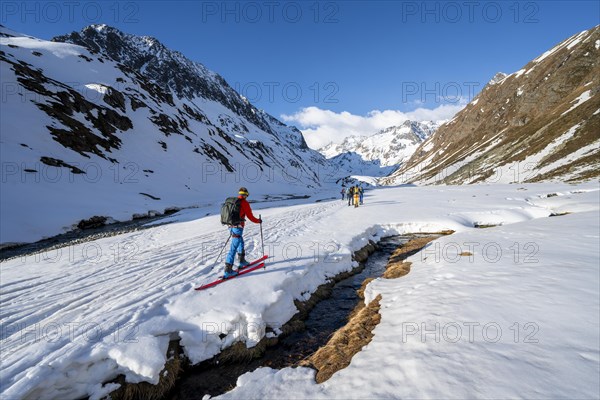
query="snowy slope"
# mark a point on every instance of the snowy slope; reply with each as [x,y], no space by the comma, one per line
[77,317]
[355,164]
[84,134]
[389,147]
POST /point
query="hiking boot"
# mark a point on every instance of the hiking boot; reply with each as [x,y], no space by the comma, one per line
[229,272]
[243,262]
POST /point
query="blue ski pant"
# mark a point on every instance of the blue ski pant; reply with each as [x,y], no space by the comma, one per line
[237,244]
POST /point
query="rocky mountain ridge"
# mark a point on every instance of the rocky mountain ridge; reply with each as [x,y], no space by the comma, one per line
[540,123]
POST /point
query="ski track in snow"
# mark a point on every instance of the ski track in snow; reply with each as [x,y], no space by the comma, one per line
[109,291]
[141,286]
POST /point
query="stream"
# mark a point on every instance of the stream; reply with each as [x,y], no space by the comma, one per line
[324,319]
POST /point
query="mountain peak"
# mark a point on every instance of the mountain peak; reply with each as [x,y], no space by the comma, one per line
[144,42]
[143,53]
[390,146]
[169,69]
[500,76]
[100,28]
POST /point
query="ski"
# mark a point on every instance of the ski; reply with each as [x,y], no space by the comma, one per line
[263,258]
[254,265]
[221,280]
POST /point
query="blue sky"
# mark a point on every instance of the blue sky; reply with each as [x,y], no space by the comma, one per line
[330,61]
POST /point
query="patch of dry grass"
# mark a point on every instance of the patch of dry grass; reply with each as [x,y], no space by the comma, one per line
[397,270]
[397,266]
[346,342]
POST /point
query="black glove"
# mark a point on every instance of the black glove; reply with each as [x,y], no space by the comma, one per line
[260,221]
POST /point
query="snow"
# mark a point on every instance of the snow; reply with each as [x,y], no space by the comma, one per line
[499,78]
[369,180]
[575,41]
[597,44]
[478,149]
[528,168]
[98,88]
[428,146]
[519,72]
[110,306]
[579,153]
[569,43]
[518,320]
[99,27]
[77,317]
[583,97]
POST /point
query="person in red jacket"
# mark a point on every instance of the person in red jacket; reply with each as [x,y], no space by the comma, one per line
[237,241]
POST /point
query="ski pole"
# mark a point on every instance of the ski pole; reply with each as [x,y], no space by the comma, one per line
[219,256]
[261,235]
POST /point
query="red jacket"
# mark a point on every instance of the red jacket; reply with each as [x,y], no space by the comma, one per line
[246,211]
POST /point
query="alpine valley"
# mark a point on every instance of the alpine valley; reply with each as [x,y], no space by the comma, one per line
[493,293]
[104,123]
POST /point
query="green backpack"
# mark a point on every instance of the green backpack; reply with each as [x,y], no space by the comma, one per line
[230,211]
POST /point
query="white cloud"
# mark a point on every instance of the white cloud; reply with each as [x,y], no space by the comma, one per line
[321,127]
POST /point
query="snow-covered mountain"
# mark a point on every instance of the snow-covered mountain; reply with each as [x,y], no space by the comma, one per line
[382,152]
[169,69]
[105,123]
[540,123]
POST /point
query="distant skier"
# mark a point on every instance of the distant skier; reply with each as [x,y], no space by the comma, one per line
[356,192]
[343,192]
[234,216]
[361,192]
[349,195]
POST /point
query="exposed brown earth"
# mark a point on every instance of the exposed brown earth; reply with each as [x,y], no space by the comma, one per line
[518,117]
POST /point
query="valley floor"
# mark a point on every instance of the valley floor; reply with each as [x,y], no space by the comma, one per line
[507,311]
